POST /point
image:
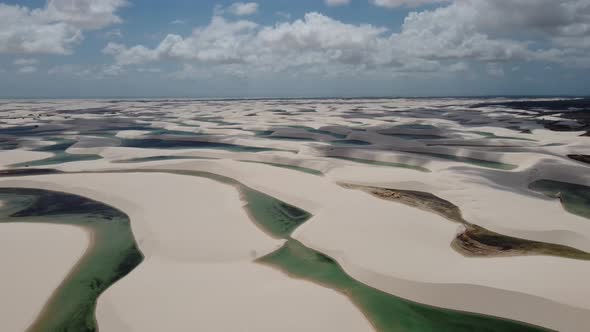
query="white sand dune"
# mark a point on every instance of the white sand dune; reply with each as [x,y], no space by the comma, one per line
[35,259]
[200,245]
[168,211]
[223,297]
[10,157]
[365,249]
[198,271]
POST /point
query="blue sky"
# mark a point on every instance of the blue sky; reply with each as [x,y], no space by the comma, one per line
[274,48]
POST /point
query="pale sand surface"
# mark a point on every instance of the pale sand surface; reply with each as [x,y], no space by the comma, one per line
[507,207]
[365,249]
[199,243]
[35,259]
[198,270]
[131,133]
[175,216]
[240,296]
[19,156]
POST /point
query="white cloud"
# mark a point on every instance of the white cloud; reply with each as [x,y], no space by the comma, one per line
[486,30]
[83,14]
[551,17]
[55,28]
[134,55]
[313,40]
[564,22]
[27,69]
[407,3]
[318,32]
[178,22]
[243,8]
[220,42]
[336,3]
[452,32]
[25,62]
[446,39]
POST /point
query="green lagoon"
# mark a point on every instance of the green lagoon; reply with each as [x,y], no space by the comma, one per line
[112,255]
[575,198]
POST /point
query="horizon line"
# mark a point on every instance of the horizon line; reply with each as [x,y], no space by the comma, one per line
[519,96]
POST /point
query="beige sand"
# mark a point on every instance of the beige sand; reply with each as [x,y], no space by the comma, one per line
[35,258]
[223,297]
[199,246]
[199,243]
[20,156]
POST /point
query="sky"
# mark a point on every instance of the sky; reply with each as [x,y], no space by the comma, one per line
[288,48]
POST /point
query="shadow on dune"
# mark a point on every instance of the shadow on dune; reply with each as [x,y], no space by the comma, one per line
[386,312]
[473,240]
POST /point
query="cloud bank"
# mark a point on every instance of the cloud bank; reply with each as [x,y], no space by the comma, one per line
[447,37]
[56,28]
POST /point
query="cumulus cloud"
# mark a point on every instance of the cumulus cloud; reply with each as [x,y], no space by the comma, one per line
[243,8]
[83,14]
[55,28]
[130,56]
[445,38]
[453,32]
[220,42]
[565,22]
[315,38]
[336,3]
[485,30]
[553,17]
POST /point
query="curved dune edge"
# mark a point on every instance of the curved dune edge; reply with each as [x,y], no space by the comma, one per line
[20,156]
[496,200]
[490,301]
[473,285]
[37,256]
[380,327]
[386,312]
[199,276]
[371,238]
[470,309]
[471,240]
[110,255]
[312,199]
